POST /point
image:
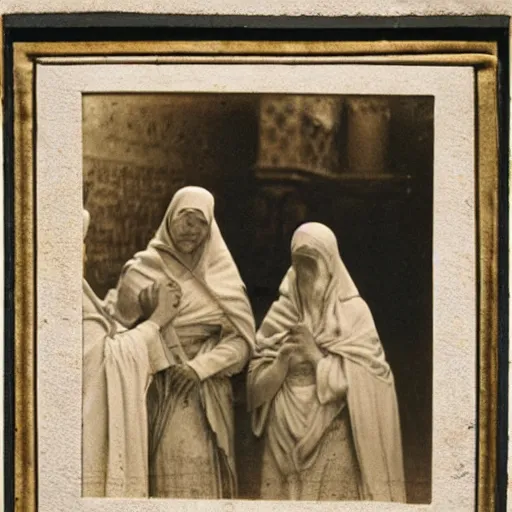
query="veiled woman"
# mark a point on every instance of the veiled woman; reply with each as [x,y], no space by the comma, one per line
[320,389]
[190,404]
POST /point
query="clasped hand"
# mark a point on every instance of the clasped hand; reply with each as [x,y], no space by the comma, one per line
[183,379]
[160,302]
[302,341]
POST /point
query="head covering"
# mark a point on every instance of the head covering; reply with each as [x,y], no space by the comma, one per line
[340,290]
[187,198]
[346,325]
[319,237]
[214,269]
[346,330]
[86,221]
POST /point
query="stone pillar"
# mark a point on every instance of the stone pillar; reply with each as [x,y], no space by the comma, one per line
[368,135]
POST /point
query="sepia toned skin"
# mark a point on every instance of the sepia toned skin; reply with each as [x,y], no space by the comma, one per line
[189,230]
[161,301]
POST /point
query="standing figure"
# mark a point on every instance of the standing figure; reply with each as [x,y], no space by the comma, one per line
[320,389]
[191,418]
[118,365]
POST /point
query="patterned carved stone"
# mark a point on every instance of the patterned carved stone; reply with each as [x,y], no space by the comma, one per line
[299,132]
[126,203]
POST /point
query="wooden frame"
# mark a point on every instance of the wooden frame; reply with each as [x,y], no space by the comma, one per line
[481,56]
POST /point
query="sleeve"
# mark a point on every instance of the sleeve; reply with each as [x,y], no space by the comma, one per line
[278,319]
[143,343]
[331,381]
[227,358]
[159,353]
[127,309]
[131,357]
[265,376]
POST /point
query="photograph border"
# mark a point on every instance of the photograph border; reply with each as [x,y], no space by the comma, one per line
[482,56]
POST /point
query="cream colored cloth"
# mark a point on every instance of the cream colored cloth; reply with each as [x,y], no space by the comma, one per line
[214,295]
[354,371]
[118,365]
[333,476]
[215,272]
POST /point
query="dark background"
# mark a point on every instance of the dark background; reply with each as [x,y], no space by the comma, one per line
[139,149]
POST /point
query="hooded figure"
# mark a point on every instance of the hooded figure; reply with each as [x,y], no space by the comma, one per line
[320,389]
[191,424]
[118,365]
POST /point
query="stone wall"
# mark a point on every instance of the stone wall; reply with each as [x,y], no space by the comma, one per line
[138,150]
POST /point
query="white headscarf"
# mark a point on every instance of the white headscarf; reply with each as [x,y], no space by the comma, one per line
[215,270]
[345,322]
[346,329]
[319,237]
[339,284]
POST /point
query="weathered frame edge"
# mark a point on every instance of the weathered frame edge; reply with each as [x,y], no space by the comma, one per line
[480,55]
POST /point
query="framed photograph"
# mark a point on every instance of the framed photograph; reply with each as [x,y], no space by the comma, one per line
[253,267]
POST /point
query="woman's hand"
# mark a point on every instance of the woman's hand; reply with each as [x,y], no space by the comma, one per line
[286,350]
[183,379]
[163,300]
[303,338]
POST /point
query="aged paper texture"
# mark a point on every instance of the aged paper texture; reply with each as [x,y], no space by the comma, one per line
[59,293]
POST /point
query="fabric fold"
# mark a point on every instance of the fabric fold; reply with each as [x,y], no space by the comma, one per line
[354,374]
[213,332]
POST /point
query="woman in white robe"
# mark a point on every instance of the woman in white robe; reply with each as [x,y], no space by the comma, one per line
[320,389]
[190,405]
[118,365]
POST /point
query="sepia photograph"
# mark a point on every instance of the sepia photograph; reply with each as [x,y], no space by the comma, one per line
[255,276]
[258,296]
[256,256]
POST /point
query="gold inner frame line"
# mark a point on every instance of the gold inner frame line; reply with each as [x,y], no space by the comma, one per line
[476,59]
[481,55]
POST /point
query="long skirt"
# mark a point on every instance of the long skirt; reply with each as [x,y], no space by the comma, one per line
[184,460]
[333,476]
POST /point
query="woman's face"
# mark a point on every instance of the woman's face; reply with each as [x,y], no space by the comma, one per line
[305,267]
[189,230]
[310,269]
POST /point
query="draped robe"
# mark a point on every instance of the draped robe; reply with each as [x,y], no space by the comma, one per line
[192,437]
[118,365]
[352,374]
